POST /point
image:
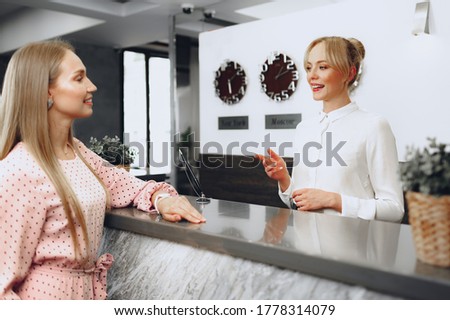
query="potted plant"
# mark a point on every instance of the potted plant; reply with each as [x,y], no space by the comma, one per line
[426,180]
[113,150]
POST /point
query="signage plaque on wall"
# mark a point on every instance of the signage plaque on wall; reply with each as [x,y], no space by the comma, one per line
[283,121]
[233,123]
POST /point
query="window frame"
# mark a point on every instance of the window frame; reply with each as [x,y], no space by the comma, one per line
[148,53]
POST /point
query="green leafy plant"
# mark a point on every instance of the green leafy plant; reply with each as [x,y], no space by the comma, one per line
[427,170]
[112,150]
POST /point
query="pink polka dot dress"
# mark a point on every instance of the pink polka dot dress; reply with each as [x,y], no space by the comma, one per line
[37,257]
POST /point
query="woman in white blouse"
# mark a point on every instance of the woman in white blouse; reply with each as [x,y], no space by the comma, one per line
[348,158]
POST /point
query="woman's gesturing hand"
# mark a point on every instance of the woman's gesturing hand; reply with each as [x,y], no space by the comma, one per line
[275,168]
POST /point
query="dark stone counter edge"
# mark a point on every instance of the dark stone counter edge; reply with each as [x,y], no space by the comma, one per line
[404,286]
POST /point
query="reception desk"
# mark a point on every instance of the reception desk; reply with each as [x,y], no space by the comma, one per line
[247,251]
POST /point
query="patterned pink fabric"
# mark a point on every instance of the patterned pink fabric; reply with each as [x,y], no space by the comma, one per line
[100,272]
[37,259]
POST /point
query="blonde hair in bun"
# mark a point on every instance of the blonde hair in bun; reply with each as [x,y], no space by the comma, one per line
[342,54]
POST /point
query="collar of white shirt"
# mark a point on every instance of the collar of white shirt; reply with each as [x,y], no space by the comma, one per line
[338,113]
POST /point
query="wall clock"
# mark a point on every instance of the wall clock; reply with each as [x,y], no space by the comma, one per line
[279,77]
[230,82]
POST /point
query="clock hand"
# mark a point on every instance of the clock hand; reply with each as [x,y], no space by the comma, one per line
[280,74]
[279,71]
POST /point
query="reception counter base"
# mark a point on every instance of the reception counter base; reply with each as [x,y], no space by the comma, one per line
[248,251]
[150,268]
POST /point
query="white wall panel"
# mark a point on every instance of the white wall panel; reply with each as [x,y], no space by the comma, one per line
[405,77]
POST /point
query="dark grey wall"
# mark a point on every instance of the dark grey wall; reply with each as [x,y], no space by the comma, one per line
[104,68]
[4,59]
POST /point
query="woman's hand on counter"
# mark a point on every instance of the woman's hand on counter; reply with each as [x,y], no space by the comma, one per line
[176,208]
[314,199]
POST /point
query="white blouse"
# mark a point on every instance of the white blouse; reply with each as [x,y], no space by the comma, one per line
[351,152]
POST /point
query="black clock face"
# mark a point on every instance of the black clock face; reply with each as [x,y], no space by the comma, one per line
[230,82]
[279,77]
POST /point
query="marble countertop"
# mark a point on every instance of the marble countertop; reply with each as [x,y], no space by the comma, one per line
[374,254]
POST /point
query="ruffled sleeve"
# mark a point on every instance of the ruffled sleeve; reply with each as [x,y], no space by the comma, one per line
[124,188]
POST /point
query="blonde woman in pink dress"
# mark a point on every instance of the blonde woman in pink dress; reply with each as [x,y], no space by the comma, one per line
[54,190]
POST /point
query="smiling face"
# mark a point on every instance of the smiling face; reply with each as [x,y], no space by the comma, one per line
[327,84]
[72,90]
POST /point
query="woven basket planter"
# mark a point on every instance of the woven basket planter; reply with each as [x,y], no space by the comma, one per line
[429,218]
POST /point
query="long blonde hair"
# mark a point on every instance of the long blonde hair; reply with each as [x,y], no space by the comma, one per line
[23,117]
[342,54]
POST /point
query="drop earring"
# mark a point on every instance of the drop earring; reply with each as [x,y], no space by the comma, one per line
[49,103]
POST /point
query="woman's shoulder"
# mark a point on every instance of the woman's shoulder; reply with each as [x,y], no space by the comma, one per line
[20,163]
[374,127]
[19,155]
[79,144]
[87,153]
[370,120]
[82,148]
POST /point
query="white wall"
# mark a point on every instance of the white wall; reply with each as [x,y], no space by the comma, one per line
[405,77]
